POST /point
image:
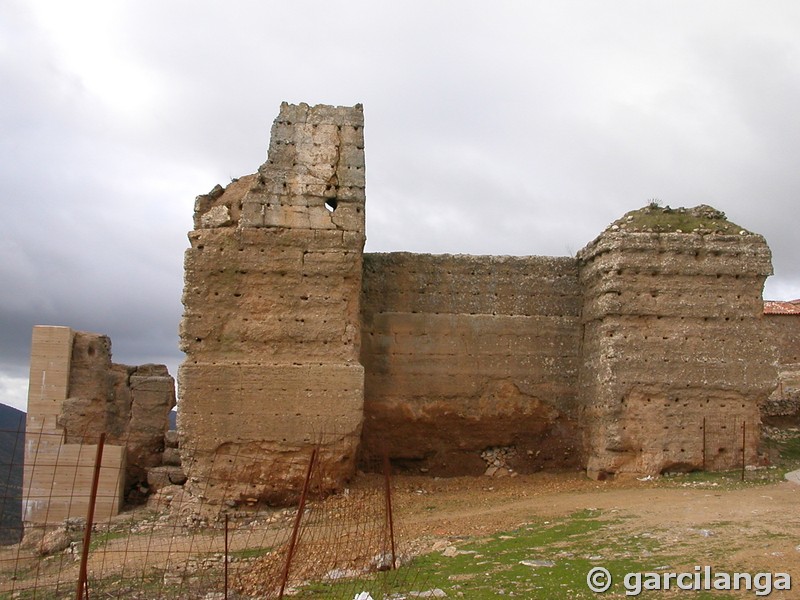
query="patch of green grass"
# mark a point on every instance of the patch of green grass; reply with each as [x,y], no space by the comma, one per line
[789,449]
[783,448]
[549,559]
[100,539]
[654,218]
[248,553]
[724,480]
[149,585]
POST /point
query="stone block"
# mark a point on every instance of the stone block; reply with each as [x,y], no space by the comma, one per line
[354,194]
[312,154]
[351,155]
[171,457]
[310,174]
[171,439]
[337,115]
[320,217]
[326,134]
[161,477]
[351,177]
[352,135]
[293,114]
[252,214]
[217,216]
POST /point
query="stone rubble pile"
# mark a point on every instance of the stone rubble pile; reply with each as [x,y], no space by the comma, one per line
[169,472]
[497,460]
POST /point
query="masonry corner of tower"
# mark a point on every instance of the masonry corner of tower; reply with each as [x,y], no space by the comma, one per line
[271,326]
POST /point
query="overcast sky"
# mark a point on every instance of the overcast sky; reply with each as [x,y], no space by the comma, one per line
[491,128]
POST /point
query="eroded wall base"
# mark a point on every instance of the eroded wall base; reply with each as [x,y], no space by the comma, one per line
[260,422]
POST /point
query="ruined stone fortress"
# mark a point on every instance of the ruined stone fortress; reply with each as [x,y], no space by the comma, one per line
[614,360]
[647,352]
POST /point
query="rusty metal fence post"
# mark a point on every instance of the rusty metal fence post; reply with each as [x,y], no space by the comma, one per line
[83,588]
[297,520]
[225,558]
[744,440]
[387,474]
[704,443]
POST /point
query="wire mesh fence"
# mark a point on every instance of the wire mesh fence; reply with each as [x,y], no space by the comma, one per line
[76,522]
[729,444]
[80,541]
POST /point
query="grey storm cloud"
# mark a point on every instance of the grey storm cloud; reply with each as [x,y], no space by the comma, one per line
[502,128]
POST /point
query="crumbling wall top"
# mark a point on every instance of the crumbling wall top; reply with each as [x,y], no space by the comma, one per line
[314,176]
[701,231]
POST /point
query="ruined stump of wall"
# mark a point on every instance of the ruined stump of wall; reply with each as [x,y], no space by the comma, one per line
[466,353]
[271,315]
[76,394]
[58,472]
[675,357]
[130,404]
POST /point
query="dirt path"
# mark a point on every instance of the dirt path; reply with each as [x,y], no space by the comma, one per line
[756,527]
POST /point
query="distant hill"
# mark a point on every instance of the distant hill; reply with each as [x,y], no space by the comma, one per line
[11,419]
[12,444]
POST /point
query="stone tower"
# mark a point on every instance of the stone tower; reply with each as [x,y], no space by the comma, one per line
[271,325]
[675,360]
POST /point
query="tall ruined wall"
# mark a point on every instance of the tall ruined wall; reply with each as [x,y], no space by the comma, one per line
[784,402]
[271,326]
[673,339]
[468,352]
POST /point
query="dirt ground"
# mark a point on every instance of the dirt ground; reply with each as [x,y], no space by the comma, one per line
[750,526]
[722,523]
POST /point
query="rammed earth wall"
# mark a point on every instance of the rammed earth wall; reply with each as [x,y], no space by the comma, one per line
[466,352]
[614,360]
[783,406]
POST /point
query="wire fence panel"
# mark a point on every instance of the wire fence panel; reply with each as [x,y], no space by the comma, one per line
[725,443]
[179,544]
[206,539]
